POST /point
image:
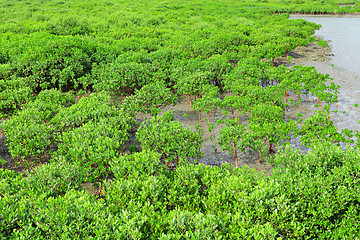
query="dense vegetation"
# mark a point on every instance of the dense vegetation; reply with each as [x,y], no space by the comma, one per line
[75,75]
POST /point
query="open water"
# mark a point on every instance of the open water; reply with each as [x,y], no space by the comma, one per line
[344,34]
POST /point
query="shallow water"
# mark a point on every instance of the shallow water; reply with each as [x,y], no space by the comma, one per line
[343,65]
[344,35]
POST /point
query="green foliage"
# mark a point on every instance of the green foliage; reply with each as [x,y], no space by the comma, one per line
[192,84]
[322,187]
[247,72]
[49,102]
[122,51]
[169,138]
[13,209]
[197,201]
[149,98]
[300,79]
[132,70]
[14,93]
[133,149]
[122,77]
[262,114]
[27,137]
[187,224]
[323,43]
[267,127]
[209,100]
[50,61]
[29,133]
[311,195]
[319,127]
[234,137]
[93,108]
[68,26]
[55,179]
[137,165]
[149,49]
[74,214]
[93,145]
